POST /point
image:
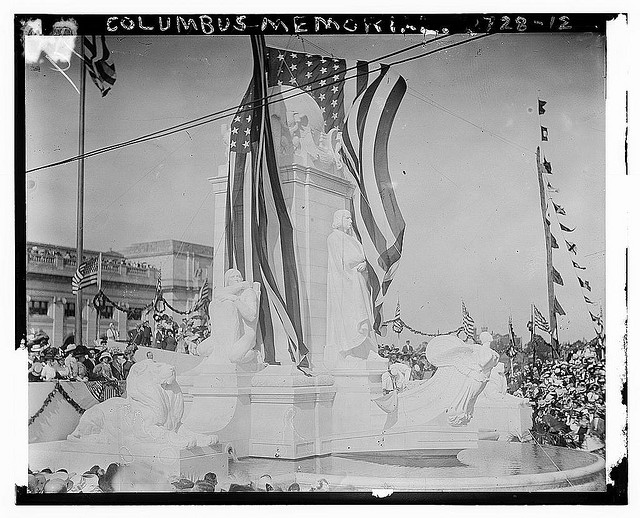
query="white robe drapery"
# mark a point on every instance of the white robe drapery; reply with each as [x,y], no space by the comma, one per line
[349,308]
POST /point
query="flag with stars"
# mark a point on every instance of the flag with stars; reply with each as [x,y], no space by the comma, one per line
[259,232]
[360,100]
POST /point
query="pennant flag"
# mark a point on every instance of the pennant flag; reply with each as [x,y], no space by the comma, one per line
[540,322]
[584,284]
[557,308]
[547,166]
[88,273]
[557,278]
[576,265]
[260,234]
[363,109]
[97,60]
[551,188]
[586,299]
[397,323]
[467,322]
[565,228]
[554,243]
[571,247]
[544,133]
[541,110]
[558,209]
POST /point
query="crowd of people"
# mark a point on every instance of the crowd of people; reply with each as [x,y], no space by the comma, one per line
[567,396]
[121,478]
[38,252]
[78,363]
[406,364]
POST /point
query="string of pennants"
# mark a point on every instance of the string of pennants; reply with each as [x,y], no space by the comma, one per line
[572,248]
[159,303]
[398,325]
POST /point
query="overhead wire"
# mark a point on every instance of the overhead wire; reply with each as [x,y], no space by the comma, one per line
[212,117]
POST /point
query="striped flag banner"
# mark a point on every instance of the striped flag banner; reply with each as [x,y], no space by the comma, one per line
[467,322]
[358,101]
[205,292]
[540,322]
[260,235]
[87,274]
[397,323]
[97,59]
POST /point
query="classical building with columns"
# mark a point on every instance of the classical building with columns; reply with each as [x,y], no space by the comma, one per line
[129,278]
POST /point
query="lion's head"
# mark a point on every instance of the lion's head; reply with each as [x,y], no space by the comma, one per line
[153,385]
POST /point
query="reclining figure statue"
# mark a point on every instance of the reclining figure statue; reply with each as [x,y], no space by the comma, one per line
[152,412]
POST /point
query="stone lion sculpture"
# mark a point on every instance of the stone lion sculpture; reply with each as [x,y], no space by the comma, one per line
[152,412]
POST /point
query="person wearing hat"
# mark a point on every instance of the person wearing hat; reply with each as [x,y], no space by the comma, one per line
[70,362]
[118,365]
[48,370]
[103,370]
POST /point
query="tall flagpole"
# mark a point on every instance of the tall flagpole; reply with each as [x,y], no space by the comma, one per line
[547,236]
[80,207]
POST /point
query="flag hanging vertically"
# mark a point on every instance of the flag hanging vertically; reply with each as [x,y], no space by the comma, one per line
[397,323]
[97,59]
[467,322]
[205,293]
[544,134]
[363,109]
[540,321]
[541,109]
[88,273]
[260,235]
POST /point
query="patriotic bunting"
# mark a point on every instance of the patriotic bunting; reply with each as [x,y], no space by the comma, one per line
[541,110]
[544,134]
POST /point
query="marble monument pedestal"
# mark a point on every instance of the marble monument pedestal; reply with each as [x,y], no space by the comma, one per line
[276,412]
[503,418]
[419,422]
[153,462]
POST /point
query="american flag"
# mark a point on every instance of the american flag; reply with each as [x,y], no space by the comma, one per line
[397,323]
[360,99]
[205,292]
[88,273]
[97,60]
[539,320]
[257,221]
[467,322]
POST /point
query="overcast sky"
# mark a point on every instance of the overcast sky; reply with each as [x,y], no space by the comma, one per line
[465,135]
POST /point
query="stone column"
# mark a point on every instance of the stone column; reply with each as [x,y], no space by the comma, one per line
[312,197]
[57,313]
[121,319]
[90,336]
